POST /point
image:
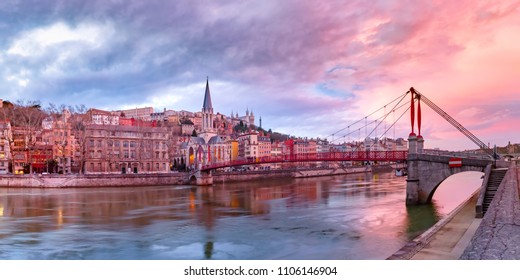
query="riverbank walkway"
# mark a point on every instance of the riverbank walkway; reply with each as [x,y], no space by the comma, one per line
[462,236]
[447,239]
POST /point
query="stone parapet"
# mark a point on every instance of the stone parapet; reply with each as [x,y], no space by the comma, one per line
[498,236]
[446,159]
[482,192]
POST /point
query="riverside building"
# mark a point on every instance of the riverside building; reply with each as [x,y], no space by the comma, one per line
[127,149]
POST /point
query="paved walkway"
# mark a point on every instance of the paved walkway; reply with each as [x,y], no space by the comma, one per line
[447,239]
[450,241]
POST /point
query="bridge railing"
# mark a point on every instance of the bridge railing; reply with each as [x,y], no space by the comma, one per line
[463,154]
[314,157]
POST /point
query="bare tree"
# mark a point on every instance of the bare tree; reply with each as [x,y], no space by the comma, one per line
[79,121]
[60,134]
[26,117]
[7,114]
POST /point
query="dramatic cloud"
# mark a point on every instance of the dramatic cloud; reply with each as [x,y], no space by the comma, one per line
[309,68]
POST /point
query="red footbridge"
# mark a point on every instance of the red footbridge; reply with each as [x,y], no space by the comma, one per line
[391,156]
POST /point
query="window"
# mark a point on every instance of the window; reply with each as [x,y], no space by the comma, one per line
[132,144]
[132,154]
[125,144]
[126,154]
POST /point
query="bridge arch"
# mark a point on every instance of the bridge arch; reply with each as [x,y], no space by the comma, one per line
[193,179]
[434,190]
[427,172]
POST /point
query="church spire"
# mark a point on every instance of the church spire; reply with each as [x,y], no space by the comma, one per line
[207,112]
[207,106]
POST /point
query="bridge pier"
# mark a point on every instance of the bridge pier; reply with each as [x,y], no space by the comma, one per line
[201,178]
[412,182]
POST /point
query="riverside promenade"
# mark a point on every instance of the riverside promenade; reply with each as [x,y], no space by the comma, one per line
[462,236]
[447,239]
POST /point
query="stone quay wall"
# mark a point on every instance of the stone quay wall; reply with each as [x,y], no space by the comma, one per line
[226,177]
[221,177]
[91,180]
[119,180]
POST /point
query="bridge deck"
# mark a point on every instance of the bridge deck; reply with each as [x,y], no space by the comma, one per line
[315,157]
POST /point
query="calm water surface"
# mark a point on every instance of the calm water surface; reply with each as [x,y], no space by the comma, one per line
[360,216]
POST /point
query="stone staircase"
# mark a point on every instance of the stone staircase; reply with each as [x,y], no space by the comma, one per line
[495,178]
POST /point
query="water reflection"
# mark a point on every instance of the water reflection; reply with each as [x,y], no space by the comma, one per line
[420,218]
[360,216]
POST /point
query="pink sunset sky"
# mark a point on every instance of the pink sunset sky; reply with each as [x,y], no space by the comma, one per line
[308,68]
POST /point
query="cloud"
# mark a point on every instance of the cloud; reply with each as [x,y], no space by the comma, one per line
[38,41]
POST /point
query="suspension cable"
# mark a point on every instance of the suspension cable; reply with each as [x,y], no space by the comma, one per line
[368,115]
[382,117]
[453,122]
[386,116]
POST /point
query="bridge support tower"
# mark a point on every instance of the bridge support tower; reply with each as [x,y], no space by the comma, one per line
[425,171]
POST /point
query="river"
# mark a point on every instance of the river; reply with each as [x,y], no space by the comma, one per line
[358,216]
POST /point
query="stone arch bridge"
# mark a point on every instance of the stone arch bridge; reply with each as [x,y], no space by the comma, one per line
[426,172]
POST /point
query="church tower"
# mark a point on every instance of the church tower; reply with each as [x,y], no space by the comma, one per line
[207,111]
[207,130]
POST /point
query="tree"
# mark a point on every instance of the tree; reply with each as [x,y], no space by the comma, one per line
[240,127]
[60,135]
[26,117]
[79,121]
